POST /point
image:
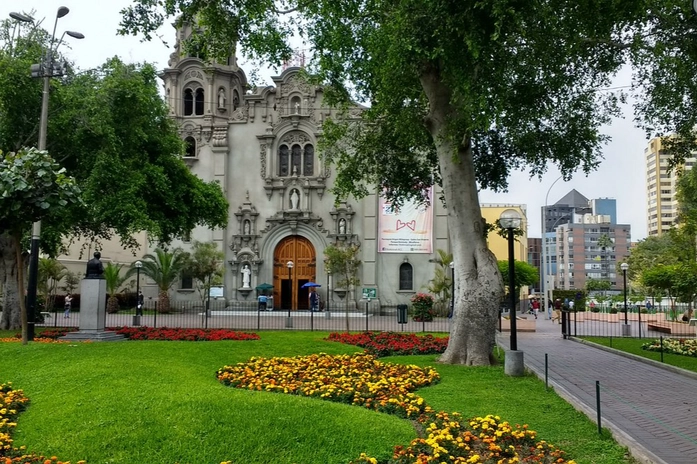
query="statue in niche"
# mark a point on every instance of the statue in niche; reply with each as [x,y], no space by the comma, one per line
[297,107]
[342,226]
[246,273]
[235,100]
[247,228]
[294,199]
[221,98]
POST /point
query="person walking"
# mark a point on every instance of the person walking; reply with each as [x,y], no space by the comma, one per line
[68,305]
[557,310]
[535,307]
[314,300]
[139,303]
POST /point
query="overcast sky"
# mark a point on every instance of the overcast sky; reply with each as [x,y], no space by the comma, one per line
[621,175]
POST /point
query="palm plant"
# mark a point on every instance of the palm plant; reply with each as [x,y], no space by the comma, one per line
[51,271]
[164,268]
[114,280]
[441,285]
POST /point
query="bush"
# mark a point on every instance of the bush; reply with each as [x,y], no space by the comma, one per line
[422,305]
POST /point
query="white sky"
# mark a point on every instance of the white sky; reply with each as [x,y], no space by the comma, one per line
[621,175]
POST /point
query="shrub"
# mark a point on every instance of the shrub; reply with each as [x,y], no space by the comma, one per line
[422,305]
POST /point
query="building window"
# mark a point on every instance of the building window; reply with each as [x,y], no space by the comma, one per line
[187,282]
[199,102]
[406,277]
[190,147]
[296,160]
[188,102]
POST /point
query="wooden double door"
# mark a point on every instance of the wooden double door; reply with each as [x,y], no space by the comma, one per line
[288,284]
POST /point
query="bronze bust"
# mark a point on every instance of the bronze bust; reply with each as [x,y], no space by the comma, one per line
[95,270]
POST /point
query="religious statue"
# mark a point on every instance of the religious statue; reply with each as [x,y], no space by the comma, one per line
[221,98]
[294,199]
[342,226]
[247,227]
[297,107]
[246,273]
[95,270]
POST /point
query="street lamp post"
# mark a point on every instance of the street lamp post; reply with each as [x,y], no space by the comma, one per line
[45,70]
[289,320]
[626,329]
[452,288]
[139,304]
[511,220]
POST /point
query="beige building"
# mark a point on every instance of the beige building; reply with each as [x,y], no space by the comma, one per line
[661,204]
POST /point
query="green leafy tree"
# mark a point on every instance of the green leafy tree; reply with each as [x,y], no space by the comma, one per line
[114,280]
[205,266]
[343,264]
[51,272]
[109,128]
[164,268]
[71,282]
[460,95]
[31,185]
[662,279]
[525,275]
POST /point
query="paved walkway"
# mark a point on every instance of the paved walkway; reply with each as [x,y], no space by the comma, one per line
[650,409]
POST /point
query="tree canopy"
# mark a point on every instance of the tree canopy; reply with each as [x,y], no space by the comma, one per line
[461,94]
[109,130]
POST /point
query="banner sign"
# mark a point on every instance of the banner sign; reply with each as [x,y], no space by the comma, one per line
[406,230]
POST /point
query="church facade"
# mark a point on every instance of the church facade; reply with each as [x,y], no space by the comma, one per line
[261,147]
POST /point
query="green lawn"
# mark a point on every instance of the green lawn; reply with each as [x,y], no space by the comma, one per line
[633,346]
[159,402]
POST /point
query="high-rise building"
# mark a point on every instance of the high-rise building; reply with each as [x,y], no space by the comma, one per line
[661,183]
[582,241]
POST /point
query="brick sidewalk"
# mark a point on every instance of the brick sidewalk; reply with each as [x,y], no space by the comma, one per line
[650,409]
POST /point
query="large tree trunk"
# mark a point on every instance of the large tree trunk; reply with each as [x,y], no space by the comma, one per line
[478,284]
[10,319]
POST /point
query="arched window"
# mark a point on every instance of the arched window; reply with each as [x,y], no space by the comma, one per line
[283,161]
[297,159]
[199,102]
[406,277]
[188,102]
[190,147]
[309,160]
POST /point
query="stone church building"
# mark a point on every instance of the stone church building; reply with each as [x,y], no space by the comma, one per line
[261,147]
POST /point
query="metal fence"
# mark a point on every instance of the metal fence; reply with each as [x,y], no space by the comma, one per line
[339,316]
[633,323]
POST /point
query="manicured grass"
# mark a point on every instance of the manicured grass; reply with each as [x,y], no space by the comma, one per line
[633,346]
[151,401]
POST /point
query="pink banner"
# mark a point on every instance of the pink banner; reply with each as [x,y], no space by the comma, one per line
[407,230]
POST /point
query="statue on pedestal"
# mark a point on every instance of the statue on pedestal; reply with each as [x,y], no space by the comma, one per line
[246,273]
[95,270]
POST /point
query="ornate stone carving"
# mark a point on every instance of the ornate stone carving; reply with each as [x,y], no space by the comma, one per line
[220,136]
[241,114]
[193,74]
[262,158]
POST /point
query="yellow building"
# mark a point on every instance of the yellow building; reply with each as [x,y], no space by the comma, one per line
[498,244]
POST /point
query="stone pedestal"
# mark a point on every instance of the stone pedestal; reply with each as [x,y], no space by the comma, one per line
[93,313]
[513,363]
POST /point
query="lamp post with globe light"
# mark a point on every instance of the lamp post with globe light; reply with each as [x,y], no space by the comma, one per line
[511,220]
[45,70]
[626,329]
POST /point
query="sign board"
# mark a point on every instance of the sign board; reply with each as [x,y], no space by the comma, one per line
[408,229]
[370,293]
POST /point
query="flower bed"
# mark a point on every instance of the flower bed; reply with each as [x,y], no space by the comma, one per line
[358,379]
[392,343]
[12,402]
[363,380]
[162,333]
[175,334]
[681,346]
